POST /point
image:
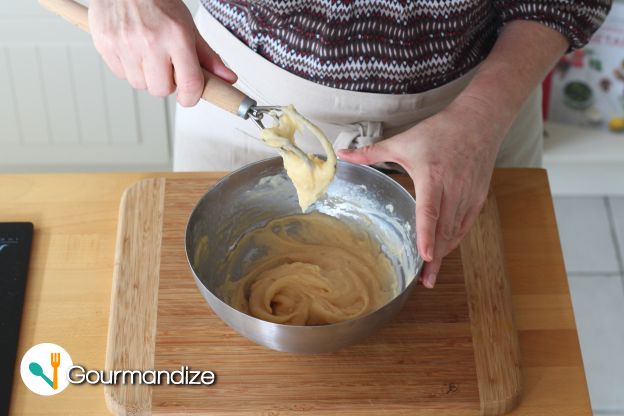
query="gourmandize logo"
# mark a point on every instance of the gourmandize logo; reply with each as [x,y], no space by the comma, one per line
[44,369]
[47,369]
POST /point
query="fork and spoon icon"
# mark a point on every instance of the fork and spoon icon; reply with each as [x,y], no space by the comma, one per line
[55,361]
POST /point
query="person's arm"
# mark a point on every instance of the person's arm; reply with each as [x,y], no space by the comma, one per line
[520,59]
[155,45]
[450,156]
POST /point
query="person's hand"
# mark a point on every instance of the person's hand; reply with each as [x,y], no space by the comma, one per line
[450,157]
[155,45]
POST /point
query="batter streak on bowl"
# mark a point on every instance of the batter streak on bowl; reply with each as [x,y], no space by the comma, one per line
[316,270]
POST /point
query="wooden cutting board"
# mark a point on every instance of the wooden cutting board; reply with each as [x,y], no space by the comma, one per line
[452,350]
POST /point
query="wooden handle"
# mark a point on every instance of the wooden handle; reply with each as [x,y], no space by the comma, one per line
[216,90]
[222,94]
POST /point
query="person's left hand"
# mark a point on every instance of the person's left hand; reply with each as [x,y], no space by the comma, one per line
[450,157]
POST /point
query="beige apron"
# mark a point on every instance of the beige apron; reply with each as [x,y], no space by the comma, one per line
[210,139]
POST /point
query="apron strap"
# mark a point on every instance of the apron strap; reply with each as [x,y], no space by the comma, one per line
[357,135]
[362,134]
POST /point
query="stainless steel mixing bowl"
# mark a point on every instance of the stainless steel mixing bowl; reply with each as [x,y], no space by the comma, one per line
[259,192]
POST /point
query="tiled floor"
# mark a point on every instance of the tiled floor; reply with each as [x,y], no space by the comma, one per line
[592,237]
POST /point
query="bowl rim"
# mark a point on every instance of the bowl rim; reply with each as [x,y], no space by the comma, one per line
[271,160]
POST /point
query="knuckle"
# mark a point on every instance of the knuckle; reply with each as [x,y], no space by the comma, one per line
[145,37]
[186,101]
[447,231]
[454,244]
[463,231]
[107,34]
[434,266]
[191,85]
[148,34]
[135,46]
[125,33]
[161,90]
[103,43]
[132,38]
[366,153]
[460,182]
[430,212]
[98,25]
[435,173]
[465,227]
[180,33]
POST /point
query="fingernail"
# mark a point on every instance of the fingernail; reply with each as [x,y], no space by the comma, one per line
[430,280]
[429,253]
[343,153]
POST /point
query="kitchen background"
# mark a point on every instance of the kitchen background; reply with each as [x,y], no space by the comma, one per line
[61,109]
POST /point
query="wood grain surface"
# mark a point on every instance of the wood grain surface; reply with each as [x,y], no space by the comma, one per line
[69,287]
[447,350]
[132,323]
[494,336]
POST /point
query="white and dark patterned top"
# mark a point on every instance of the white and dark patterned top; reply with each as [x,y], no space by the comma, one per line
[391,46]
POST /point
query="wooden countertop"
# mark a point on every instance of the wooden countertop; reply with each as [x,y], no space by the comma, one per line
[69,283]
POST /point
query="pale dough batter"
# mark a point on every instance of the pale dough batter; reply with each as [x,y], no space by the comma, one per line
[312,175]
[317,270]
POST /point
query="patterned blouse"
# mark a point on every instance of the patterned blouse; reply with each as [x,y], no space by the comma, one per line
[391,46]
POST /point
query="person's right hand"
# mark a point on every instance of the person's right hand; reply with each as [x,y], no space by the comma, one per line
[148,41]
